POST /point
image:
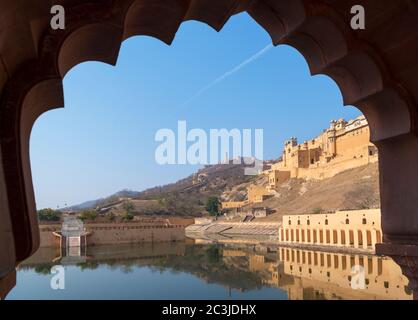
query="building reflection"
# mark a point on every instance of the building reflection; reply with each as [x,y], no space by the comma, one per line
[301,274]
[308,274]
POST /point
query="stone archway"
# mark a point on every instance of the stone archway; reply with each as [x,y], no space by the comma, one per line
[374,68]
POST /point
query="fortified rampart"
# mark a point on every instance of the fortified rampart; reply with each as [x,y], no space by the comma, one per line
[357,229]
[344,145]
[118,233]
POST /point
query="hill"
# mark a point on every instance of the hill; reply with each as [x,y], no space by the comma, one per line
[352,189]
[186,197]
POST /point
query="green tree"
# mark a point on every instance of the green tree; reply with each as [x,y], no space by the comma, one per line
[87,215]
[49,215]
[128,207]
[212,206]
[110,216]
[128,216]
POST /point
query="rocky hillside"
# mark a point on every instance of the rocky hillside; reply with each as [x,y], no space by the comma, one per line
[188,196]
[352,189]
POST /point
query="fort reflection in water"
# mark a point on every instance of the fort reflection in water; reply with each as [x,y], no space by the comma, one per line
[292,273]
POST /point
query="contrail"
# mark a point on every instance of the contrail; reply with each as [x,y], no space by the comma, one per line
[229,73]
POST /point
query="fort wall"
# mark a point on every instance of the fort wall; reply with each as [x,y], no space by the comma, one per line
[357,229]
[118,233]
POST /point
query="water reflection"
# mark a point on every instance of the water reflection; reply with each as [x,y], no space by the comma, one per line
[153,271]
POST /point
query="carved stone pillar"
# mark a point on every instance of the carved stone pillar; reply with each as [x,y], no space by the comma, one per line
[398,159]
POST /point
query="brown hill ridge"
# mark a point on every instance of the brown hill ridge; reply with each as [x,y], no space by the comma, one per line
[350,190]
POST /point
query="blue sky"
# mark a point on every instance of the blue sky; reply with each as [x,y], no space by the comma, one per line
[103,140]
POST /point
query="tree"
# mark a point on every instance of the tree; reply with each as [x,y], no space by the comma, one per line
[129,211]
[128,207]
[128,216]
[212,206]
[49,215]
[110,216]
[87,215]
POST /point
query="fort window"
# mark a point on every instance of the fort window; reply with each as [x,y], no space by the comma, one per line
[308,235]
[326,221]
[309,258]
[298,222]
[335,236]
[314,236]
[321,236]
[364,221]
[360,237]
[378,237]
[303,235]
[336,262]
[386,284]
[347,221]
[370,265]
[328,261]
[352,261]
[287,235]
[342,237]
[328,236]
[379,267]
[322,259]
[297,238]
[308,222]
[291,236]
[344,262]
[351,237]
[315,258]
[369,238]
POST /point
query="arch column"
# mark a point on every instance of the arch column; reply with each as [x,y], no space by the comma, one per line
[7,250]
[398,159]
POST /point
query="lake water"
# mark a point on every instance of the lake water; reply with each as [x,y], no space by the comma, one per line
[208,271]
